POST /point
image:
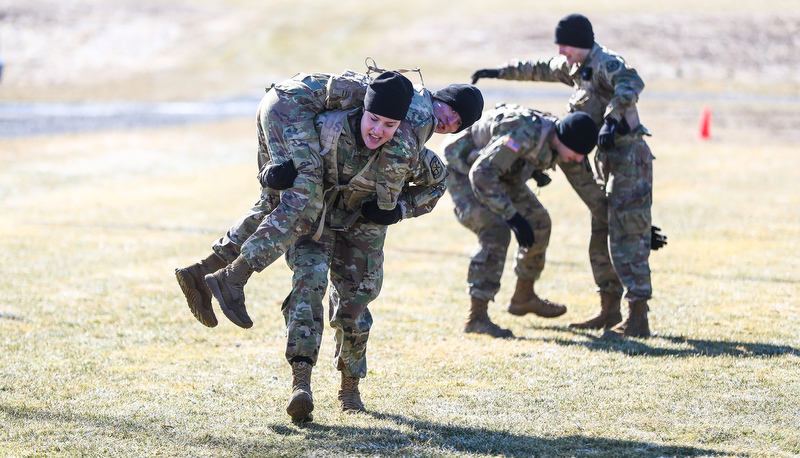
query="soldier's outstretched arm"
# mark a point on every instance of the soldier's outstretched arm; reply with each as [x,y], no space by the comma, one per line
[547,70]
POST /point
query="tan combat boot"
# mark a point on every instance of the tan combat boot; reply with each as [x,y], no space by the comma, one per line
[608,317]
[349,396]
[193,284]
[301,403]
[636,325]
[526,301]
[227,286]
[480,323]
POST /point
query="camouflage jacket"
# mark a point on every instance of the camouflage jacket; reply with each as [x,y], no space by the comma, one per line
[604,85]
[318,92]
[351,171]
[500,152]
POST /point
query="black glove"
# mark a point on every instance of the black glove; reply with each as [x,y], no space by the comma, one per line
[278,177]
[371,211]
[611,127]
[542,179]
[657,240]
[522,229]
[605,138]
[485,73]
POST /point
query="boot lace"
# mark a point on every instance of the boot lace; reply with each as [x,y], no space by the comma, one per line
[349,396]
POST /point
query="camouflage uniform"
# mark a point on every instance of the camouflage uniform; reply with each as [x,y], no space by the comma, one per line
[350,247]
[606,87]
[591,193]
[285,125]
[488,167]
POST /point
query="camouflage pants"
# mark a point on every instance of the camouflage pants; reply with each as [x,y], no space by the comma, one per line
[285,127]
[593,195]
[494,235]
[354,261]
[627,172]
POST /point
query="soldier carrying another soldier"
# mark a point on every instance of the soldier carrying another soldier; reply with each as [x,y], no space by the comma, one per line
[357,149]
[291,179]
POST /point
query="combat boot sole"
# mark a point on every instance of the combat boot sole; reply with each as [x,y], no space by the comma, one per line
[627,331]
[488,328]
[198,297]
[542,308]
[300,407]
[598,322]
[226,303]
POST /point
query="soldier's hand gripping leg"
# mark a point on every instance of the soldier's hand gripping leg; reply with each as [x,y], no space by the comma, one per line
[526,301]
[608,317]
[192,281]
[227,286]
[480,323]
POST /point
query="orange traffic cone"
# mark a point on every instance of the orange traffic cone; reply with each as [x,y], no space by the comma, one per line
[704,130]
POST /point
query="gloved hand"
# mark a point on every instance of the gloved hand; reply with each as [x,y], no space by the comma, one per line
[371,211]
[542,179]
[657,240]
[485,73]
[278,177]
[605,138]
[522,229]
[611,127]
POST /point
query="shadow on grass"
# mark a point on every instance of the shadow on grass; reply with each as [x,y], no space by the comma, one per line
[654,346]
[410,437]
[9,316]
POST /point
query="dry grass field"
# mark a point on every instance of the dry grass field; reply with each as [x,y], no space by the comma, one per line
[99,355]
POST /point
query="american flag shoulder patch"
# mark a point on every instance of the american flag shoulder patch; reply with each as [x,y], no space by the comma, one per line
[511,144]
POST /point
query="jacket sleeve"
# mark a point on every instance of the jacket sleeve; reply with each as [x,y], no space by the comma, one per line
[425,185]
[626,84]
[397,158]
[484,175]
[550,70]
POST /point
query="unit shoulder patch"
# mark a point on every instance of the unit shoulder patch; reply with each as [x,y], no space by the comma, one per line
[613,66]
[436,166]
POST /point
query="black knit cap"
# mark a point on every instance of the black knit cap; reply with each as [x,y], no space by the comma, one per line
[465,99]
[575,30]
[389,95]
[578,132]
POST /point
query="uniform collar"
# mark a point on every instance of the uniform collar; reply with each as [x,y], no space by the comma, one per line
[596,49]
[354,120]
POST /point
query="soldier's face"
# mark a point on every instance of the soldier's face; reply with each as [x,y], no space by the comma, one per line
[377,130]
[567,155]
[573,55]
[447,120]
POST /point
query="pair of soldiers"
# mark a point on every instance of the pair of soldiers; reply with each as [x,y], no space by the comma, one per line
[509,141]
[341,158]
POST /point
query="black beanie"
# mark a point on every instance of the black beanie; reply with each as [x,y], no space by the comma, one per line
[575,30]
[389,95]
[464,99]
[578,132]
